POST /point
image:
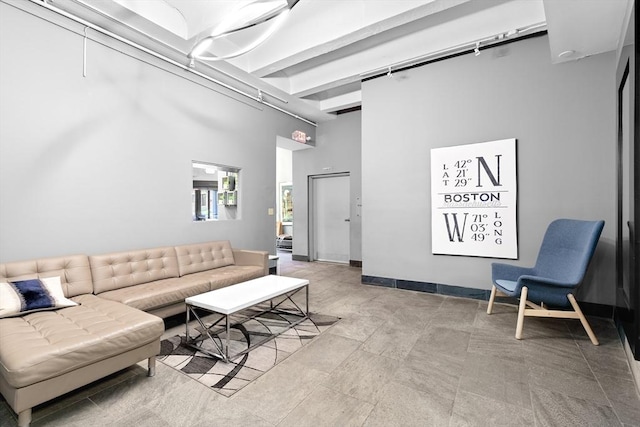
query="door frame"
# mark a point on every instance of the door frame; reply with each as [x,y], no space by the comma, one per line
[627,307]
[311,210]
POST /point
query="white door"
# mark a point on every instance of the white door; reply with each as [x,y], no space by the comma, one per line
[330,218]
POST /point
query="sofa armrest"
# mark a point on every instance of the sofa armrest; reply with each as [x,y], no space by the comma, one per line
[258,258]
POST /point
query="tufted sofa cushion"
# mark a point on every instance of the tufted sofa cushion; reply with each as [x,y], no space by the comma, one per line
[160,293]
[228,275]
[204,256]
[123,269]
[74,272]
[42,345]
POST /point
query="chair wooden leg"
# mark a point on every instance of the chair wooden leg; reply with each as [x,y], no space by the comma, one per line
[492,298]
[583,319]
[522,307]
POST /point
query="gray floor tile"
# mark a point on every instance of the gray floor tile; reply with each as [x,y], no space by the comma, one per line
[558,354]
[464,305]
[503,381]
[628,413]
[454,319]
[557,410]
[277,392]
[415,317]
[606,360]
[401,298]
[501,322]
[141,418]
[566,382]
[473,410]
[543,328]
[184,404]
[66,400]
[449,341]
[134,393]
[427,301]
[623,395]
[403,407]
[603,328]
[326,352]
[490,343]
[189,405]
[328,408]
[393,339]
[80,414]
[7,416]
[348,304]
[363,376]
[326,299]
[427,372]
[357,327]
[379,307]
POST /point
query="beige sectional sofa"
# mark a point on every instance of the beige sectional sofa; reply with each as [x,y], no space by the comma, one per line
[122,297]
[158,280]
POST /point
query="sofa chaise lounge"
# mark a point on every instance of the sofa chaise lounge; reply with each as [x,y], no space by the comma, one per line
[121,298]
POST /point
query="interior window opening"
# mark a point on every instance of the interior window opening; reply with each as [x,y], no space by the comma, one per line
[214,193]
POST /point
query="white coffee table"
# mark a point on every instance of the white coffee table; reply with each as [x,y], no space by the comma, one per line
[235,298]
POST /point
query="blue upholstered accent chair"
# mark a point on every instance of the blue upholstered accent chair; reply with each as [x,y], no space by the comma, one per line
[564,256]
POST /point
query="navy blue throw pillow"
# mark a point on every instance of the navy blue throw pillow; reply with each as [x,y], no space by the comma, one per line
[34,295]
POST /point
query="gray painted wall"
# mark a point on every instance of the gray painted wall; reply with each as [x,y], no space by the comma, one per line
[563,118]
[338,149]
[103,163]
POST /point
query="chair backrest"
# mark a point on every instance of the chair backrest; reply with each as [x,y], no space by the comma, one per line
[567,248]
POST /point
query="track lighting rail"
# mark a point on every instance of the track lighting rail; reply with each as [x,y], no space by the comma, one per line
[259,97]
[472,46]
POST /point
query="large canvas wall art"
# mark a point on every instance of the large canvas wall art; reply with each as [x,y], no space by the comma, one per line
[474,200]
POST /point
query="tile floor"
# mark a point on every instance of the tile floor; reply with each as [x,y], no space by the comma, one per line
[396,358]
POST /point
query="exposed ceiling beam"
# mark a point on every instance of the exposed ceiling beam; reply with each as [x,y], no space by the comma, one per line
[302,41]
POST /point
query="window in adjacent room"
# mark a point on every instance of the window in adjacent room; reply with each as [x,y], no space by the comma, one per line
[214,194]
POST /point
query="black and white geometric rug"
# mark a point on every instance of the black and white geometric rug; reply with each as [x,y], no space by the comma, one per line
[229,378]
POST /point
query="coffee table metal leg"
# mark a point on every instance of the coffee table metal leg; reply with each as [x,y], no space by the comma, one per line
[186,325]
[226,350]
[206,330]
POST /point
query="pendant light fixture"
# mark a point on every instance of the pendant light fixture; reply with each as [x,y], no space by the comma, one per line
[243,30]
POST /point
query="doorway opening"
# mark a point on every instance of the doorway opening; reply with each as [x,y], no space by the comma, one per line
[286,192]
[284,202]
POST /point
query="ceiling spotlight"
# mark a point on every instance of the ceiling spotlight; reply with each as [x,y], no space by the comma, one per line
[477,49]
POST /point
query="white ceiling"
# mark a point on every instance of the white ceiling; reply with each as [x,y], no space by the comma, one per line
[313,65]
